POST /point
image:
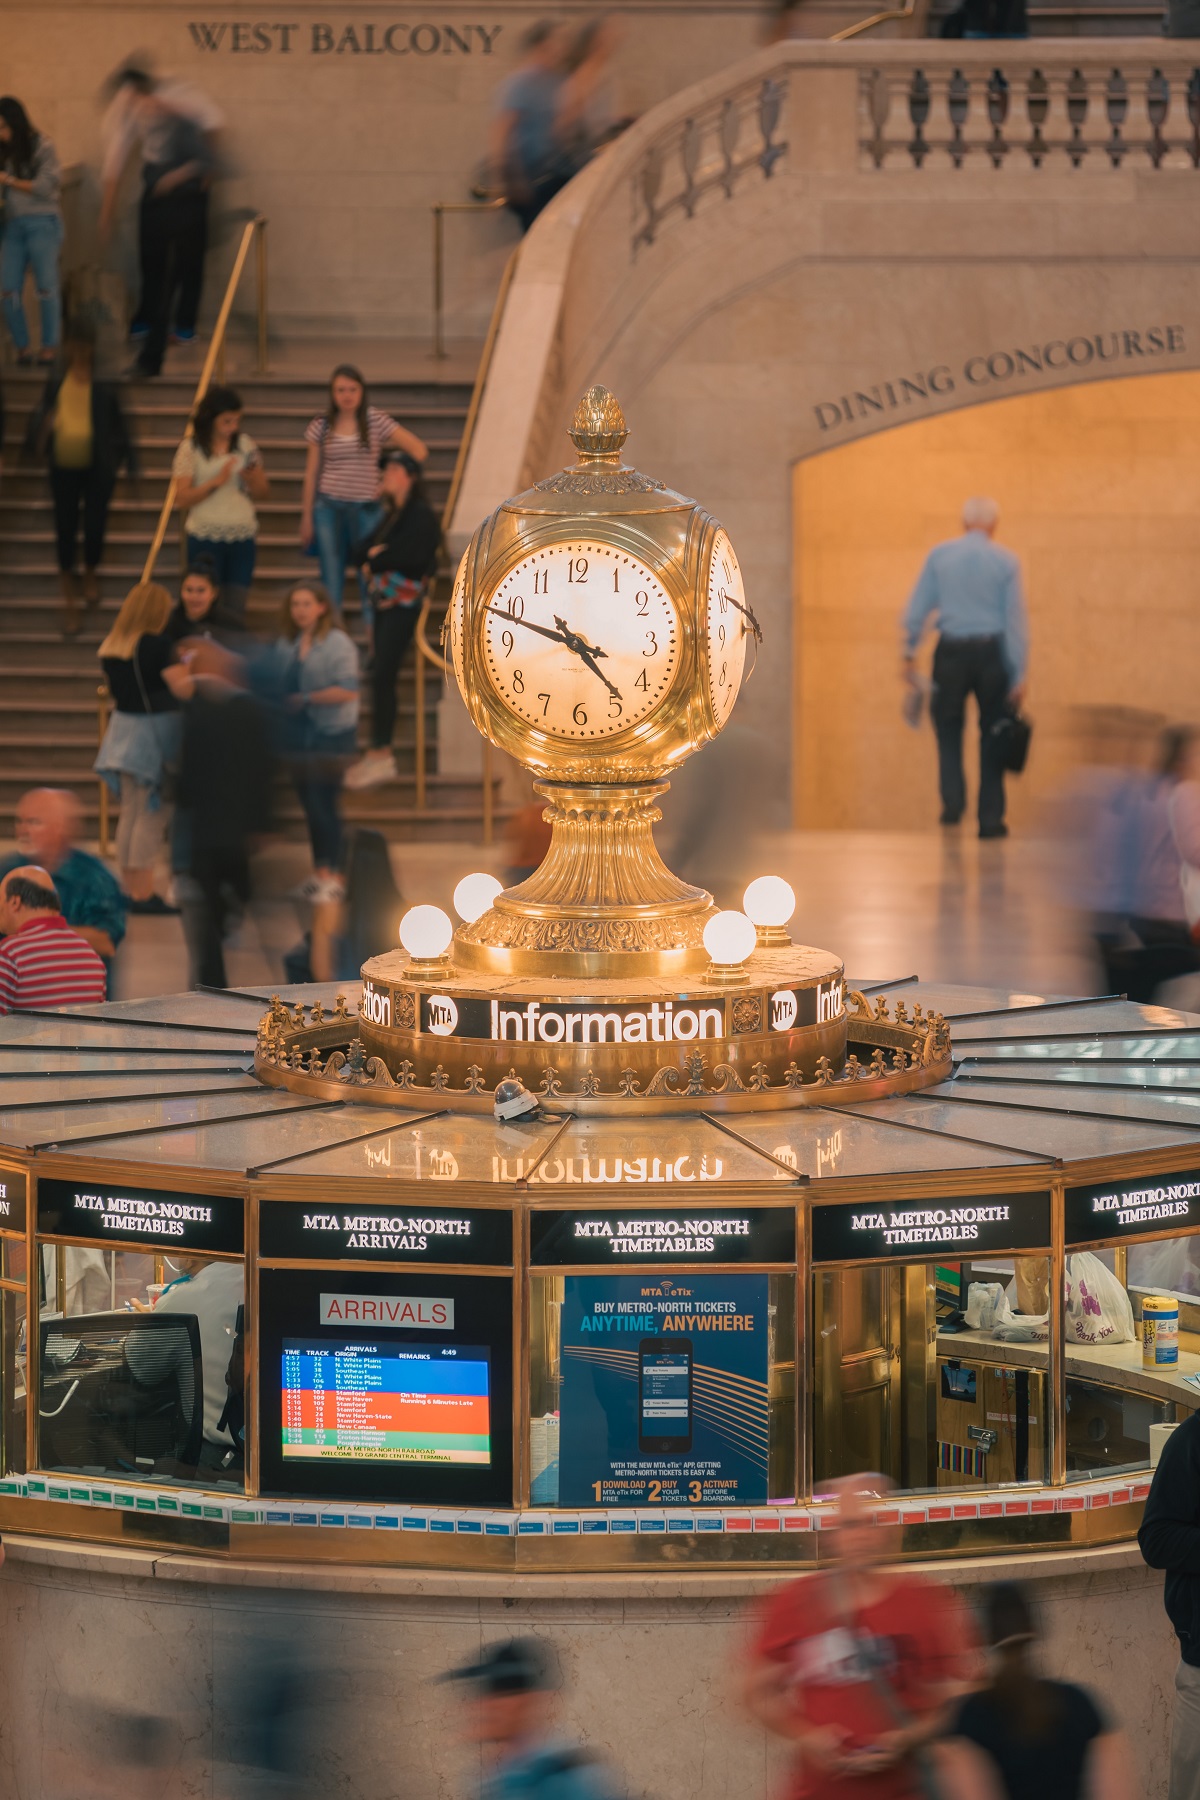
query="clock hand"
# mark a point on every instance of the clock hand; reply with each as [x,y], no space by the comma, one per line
[555,637]
[746,613]
[587,653]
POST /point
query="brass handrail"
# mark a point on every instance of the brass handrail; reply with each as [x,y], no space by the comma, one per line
[255,228]
[439,209]
[425,650]
[880,18]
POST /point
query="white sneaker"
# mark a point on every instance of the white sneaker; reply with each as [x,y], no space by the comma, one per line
[377,766]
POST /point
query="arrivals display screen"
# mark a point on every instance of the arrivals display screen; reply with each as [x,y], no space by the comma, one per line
[386,1384]
[386,1402]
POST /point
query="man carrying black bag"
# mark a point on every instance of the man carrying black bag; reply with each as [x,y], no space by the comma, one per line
[973,588]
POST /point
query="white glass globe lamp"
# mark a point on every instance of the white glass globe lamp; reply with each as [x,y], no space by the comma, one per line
[474,895]
[770,902]
[425,932]
[729,938]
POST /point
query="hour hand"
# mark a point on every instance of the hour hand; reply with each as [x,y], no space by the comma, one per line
[587,654]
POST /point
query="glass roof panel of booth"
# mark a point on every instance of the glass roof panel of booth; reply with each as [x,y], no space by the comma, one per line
[1163,1108]
[284,1140]
[824,1143]
[450,1147]
[937,996]
[669,1151]
[1046,1025]
[50,1126]
[34,1091]
[1166,1047]
[1096,1072]
[1045,1133]
[16,1034]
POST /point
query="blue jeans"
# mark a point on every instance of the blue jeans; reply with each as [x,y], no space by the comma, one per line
[233,567]
[318,762]
[338,525]
[32,243]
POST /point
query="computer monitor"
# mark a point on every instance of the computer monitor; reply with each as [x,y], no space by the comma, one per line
[121,1394]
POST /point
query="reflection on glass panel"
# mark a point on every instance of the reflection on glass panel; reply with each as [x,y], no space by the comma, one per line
[934,1374]
[453,1147]
[947,1109]
[677,1151]
[1133,1350]
[142,1366]
[12,1371]
[825,1144]
[13,1258]
[662,1390]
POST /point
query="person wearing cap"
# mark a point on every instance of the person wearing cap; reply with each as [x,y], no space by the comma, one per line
[397,559]
[509,1703]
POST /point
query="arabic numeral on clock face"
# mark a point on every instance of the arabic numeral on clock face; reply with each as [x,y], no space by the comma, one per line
[545,700]
[615,709]
[516,607]
[642,602]
[541,581]
[518,681]
[506,638]
[721,636]
[579,715]
[724,672]
[577,569]
[653,642]
[643,682]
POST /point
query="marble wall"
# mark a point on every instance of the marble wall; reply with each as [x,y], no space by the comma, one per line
[831,303]
[94,1643]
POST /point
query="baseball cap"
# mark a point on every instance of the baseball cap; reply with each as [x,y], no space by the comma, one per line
[518,1666]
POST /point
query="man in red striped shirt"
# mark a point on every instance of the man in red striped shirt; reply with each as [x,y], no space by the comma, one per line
[42,961]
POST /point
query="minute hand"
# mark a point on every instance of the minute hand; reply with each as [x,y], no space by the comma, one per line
[587,653]
[556,637]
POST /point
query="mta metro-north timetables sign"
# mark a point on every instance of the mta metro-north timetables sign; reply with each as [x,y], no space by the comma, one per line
[663,1399]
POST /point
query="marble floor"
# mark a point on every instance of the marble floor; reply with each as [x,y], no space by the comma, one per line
[938,904]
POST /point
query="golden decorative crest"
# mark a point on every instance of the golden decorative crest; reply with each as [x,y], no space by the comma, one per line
[598,428]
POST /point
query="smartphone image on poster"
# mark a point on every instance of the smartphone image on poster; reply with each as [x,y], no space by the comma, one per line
[665,1390]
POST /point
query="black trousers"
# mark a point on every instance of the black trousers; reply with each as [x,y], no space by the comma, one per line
[394,628]
[963,666]
[173,233]
[222,877]
[71,491]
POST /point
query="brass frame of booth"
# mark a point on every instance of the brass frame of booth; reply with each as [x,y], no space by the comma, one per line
[1062,1510]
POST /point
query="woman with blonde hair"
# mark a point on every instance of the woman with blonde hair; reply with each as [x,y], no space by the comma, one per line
[141,744]
[316,671]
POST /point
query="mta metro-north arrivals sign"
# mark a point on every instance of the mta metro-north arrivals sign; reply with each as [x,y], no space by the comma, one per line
[420,1234]
[884,1231]
[118,1215]
[1146,1204]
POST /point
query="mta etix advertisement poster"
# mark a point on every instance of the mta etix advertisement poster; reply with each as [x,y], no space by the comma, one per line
[663,1400]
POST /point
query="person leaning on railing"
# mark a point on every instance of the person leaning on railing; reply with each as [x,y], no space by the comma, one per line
[220,476]
[398,558]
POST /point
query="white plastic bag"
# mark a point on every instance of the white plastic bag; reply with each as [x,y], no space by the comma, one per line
[1098,1308]
[987,1306]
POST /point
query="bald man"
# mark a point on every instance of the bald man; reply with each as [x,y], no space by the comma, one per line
[43,963]
[47,825]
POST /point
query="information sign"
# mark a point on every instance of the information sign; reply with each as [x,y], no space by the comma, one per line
[747,1234]
[1143,1204]
[329,1232]
[886,1230]
[118,1216]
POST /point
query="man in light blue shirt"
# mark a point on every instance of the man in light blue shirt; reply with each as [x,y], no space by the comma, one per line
[973,588]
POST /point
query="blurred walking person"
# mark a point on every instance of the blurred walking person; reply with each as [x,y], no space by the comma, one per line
[48,824]
[398,558]
[1169,1539]
[31,233]
[316,676]
[220,476]
[223,796]
[858,1665]
[174,129]
[530,151]
[971,586]
[340,503]
[140,751]
[43,963]
[80,429]
[1022,1737]
[509,1712]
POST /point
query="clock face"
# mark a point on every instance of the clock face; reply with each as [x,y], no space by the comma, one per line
[728,628]
[581,640]
[456,620]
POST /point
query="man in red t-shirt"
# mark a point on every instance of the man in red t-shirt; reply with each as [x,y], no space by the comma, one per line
[857,1664]
[43,963]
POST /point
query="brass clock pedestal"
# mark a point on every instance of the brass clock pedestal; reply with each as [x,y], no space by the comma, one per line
[602,903]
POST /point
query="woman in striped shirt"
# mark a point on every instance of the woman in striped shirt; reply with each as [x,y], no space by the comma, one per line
[341,479]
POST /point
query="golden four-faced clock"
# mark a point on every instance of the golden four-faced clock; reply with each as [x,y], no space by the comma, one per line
[599,631]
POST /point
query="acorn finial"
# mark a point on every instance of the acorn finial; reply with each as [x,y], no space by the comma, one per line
[598,428]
